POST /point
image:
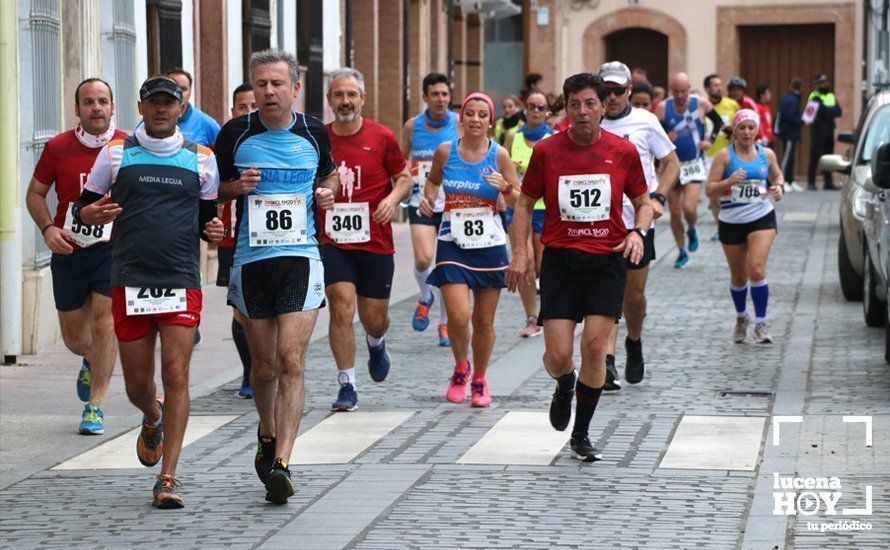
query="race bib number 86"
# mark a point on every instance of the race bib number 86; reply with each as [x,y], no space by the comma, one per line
[585,198]
[276,220]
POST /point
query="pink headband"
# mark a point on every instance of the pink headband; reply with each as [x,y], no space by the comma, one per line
[477,96]
[745,115]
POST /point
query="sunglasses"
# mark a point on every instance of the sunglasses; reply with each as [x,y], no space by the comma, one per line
[536,107]
[616,90]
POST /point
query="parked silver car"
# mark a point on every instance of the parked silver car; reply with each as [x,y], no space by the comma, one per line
[862,265]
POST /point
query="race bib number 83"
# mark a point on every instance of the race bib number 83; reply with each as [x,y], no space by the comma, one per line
[585,198]
[476,228]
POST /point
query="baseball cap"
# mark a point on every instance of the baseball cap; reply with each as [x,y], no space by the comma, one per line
[615,72]
[737,81]
[160,85]
[820,78]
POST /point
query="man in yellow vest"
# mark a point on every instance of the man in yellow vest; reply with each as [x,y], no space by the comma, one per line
[822,129]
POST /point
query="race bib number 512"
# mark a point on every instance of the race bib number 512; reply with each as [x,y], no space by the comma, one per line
[276,220]
[585,198]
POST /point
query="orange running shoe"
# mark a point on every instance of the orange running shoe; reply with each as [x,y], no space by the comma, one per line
[165,493]
[150,443]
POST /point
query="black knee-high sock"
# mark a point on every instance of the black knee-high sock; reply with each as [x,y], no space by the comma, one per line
[586,399]
[241,343]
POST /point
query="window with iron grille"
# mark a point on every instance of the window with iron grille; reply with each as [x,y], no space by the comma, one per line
[164,24]
[256,29]
[44,23]
[125,80]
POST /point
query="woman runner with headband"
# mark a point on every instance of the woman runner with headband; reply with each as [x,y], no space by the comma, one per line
[471,254]
[744,175]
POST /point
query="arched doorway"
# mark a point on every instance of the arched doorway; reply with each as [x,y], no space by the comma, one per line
[639,47]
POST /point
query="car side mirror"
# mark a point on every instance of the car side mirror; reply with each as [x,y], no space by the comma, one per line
[847,137]
[834,163]
[880,167]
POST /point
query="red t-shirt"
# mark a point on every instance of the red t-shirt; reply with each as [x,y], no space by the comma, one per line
[66,162]
[227,220]
[559,156]
[367,162]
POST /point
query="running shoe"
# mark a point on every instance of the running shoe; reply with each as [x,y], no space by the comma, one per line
[561,408]
[379,362]
[457,387]
[83,381]
[761,336]
[740,332]
[150,443]
[421,318]
[682,259]
[279,487]
[481,397]
[531,328]
[246,392]
[585,452]
[612,381]
[347,398]
[634,368]
[93,421]
[796,187]
[198,337]
[166,495]
[265,456]
[692,235]
[444,340]
[715,237]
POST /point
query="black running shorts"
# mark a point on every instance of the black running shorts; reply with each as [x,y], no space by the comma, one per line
[575,284]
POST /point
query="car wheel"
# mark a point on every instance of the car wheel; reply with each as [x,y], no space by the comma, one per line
[851,282]
[875,311]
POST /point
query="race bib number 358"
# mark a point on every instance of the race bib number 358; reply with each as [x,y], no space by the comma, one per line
[276,220]
[148,301]
[348,222]
[585,198]
[86,235]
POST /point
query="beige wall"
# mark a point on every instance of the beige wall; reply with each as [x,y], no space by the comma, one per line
[699,19]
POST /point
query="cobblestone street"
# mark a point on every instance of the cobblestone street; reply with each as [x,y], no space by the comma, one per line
[409,470]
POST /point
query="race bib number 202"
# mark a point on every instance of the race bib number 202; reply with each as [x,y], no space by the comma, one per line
[148,301]
[276,220]
[585,197]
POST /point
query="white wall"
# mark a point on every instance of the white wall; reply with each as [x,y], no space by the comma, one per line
[188,41]
[141,41]
[332,38]
[290,25]
[233,25]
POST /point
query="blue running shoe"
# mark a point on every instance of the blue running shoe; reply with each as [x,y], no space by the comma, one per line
[83,382]
[444,340]
[379,362]
[347,399]
[715,237]
[93,421]
[246,392]
[421,318]
[682,259]
[693,239]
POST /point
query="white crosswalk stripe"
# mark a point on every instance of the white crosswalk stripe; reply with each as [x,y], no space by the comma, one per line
[341,437]
[715,443]
[520,437]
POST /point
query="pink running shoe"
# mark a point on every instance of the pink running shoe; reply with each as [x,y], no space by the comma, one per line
[480,393]
[531,328]
[457,388]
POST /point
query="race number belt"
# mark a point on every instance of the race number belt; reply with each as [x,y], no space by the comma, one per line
[476,228]
[423,170]
[749,191]
[348,222]
[86,235]
[585,198]
[692,171]
[276,220]
[148,301]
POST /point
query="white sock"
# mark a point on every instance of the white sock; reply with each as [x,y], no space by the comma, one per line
[374,342]
[443,313]
[426,293]
[346,376]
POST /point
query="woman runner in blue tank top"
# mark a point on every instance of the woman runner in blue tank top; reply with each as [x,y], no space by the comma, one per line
[471,254]
[744,176]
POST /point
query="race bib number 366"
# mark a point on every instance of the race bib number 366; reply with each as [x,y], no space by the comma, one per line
[749,191]
[148,301]
[692,171]
[423,170]
[585,198]
[348,223]
[276,220]
[86,235]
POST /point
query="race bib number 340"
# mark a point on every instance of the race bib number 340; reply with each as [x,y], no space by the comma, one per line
[276,220]
[86,235]
[348,222]
[148,301]
[749,191]
[585,198]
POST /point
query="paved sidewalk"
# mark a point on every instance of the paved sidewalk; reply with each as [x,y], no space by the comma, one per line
[397,473]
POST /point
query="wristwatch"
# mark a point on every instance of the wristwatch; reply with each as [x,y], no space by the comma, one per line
[659,197]
[639,230]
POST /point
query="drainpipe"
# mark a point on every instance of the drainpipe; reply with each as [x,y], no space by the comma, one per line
[10,215]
